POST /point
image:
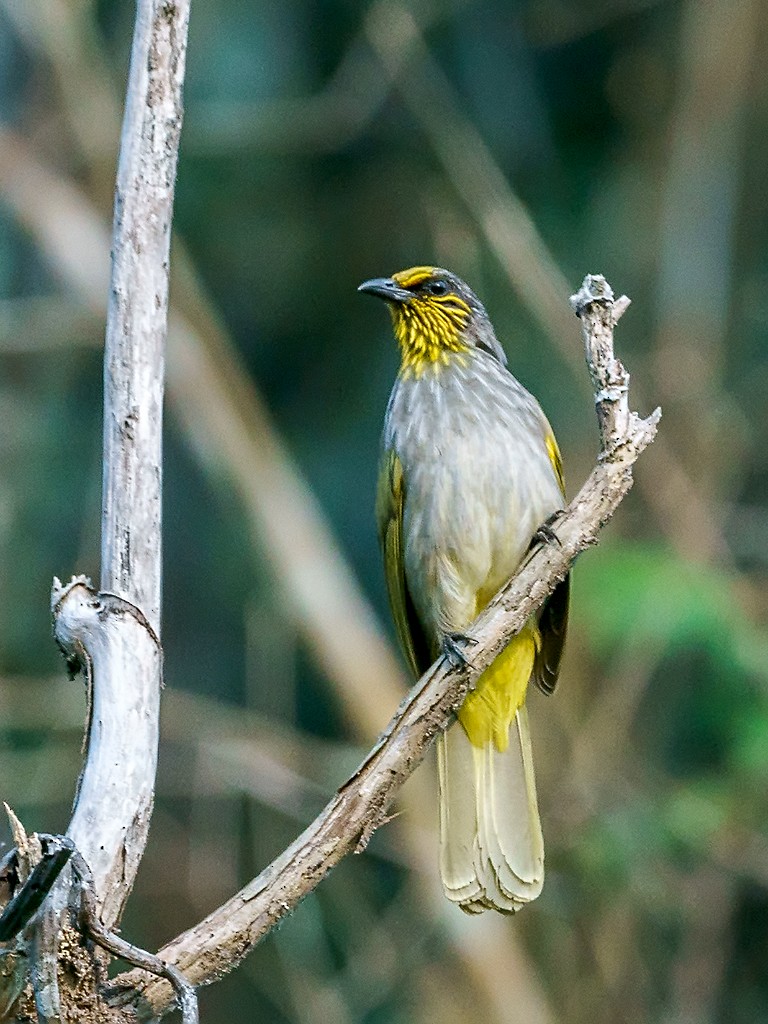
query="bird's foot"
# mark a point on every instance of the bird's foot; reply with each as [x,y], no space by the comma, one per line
[546,534]
[454,648]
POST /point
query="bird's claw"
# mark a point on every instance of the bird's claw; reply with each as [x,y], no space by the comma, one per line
[454,645]
[545,534]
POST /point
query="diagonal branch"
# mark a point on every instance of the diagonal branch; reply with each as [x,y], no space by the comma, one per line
[217,944]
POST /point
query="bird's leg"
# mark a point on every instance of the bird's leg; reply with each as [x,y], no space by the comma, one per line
[545,534]
[454,646]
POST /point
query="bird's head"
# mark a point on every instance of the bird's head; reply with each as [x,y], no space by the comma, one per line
[435,316]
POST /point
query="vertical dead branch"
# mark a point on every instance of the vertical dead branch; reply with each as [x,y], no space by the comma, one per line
[134,361]
[115,633]
[121,657]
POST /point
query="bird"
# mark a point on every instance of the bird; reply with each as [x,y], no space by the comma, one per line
[470,471]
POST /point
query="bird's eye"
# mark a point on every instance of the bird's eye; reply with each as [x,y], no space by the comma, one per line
[436,288]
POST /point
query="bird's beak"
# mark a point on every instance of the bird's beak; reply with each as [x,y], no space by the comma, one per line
[386,289]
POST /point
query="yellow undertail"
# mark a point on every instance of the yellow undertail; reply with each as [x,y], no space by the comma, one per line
[491,849]
[490,708]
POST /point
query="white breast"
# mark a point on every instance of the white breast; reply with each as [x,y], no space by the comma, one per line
[478,483]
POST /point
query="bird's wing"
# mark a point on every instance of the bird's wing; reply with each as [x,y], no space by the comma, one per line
[553,625]
[553,621]
[390,501]
[555,458]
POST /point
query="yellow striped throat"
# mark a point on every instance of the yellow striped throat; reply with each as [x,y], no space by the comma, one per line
[432,311]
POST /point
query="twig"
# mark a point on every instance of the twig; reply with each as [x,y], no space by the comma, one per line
[29,898]
[218,943]
[599,313]
[113,943]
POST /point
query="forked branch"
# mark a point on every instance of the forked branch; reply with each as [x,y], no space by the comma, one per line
[113,634]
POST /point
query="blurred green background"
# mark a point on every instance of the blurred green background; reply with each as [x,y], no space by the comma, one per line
[522,144]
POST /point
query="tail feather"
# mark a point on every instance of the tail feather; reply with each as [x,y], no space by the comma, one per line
[458,817]
[491,847]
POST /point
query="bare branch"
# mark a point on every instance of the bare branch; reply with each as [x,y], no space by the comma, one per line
[30,896]
[114,634]
[594,304]
[113,943]
[134,361]
[121,657]
[218,943]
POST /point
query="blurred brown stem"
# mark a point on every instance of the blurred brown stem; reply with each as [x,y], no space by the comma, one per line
[512,235]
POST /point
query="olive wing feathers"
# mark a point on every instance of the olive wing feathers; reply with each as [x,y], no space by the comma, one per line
[390,503]
[553,625]
[553,620]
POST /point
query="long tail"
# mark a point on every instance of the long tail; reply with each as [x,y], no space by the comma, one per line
[491,847]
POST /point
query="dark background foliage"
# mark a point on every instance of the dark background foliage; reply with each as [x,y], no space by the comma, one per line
[632,131]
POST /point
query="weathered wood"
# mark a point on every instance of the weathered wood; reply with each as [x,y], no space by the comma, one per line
[134,362]
[113,635]
[122,661]
[117,631]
